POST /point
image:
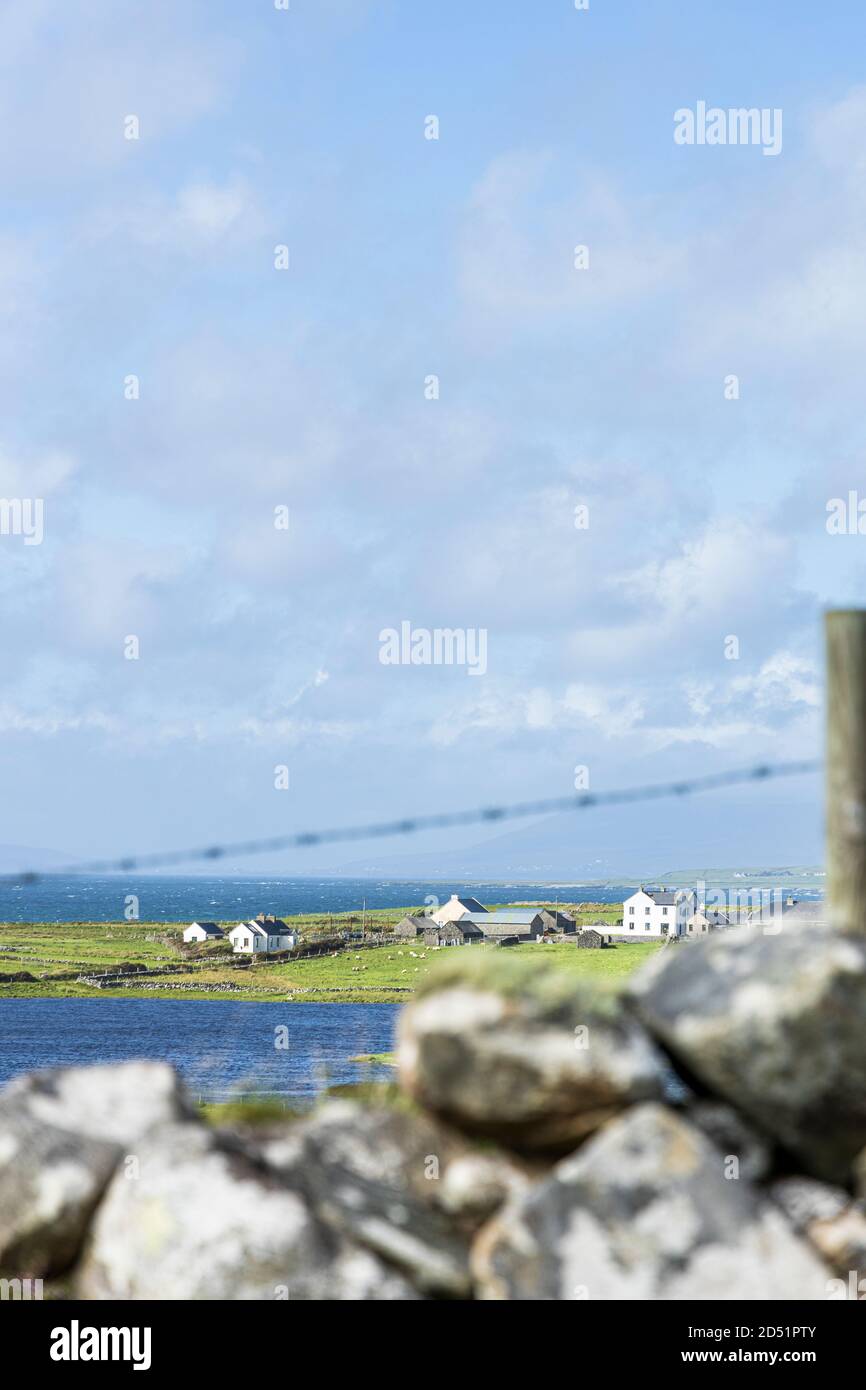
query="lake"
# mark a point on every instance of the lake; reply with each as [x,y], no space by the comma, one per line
[221,1048]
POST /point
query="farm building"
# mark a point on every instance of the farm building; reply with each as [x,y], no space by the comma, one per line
[557,921]
[591,938]
[262,936]
[411,926]
[525,923]
[701,922]
[463,933]
[203,931]
[456,909]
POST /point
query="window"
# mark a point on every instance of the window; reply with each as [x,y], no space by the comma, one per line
[664,912]
[631,909]
[647,927]
[631,926]
[647,911]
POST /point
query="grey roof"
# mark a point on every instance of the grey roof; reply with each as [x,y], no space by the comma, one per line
[471,904]
[511,914]
[267,928]
[665,897]
[210,928]
[466,924]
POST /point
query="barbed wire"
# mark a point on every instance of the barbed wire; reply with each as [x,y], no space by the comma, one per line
[411,824]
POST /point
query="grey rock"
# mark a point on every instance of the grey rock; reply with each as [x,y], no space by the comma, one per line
[833,1223]
[733,1137]
[373,1174]
[804,1200]
[62,1134]
[116,1103]
[475,1185]
[644,1211]
[50,1183]
[774,1024]
[524,1055]
[203,1220]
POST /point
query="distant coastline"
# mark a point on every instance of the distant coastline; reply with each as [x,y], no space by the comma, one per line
[191,897]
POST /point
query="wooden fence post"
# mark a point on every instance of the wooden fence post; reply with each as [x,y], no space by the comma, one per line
[846,768]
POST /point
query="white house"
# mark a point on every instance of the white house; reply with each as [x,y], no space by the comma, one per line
[455,909]
[203,931]
[651,913]
[262,935]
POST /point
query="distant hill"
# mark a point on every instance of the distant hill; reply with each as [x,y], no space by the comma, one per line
[765,825]
[14,858]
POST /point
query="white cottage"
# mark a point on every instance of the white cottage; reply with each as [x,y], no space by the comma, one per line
[651,913]
[455,910]
[203,931]
[262,936]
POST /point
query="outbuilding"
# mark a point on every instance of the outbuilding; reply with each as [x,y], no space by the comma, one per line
[411,926]
[203,931]
[591,938]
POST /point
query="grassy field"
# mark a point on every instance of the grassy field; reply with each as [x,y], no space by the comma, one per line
[55,953]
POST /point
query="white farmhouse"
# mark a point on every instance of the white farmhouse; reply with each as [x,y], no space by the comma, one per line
[455,910]
[262,936]
[203,931]
[651,913]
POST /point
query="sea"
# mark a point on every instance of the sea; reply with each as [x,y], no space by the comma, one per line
[197,897]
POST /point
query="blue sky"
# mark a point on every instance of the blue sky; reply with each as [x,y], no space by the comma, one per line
[305,388]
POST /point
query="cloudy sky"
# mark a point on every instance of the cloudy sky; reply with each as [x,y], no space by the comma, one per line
[262,388]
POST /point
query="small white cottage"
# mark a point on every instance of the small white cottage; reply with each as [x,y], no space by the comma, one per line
[261,936]
[203,931]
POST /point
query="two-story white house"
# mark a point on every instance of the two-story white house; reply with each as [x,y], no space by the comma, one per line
[651,913]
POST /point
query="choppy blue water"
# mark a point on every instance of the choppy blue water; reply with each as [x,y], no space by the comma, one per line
[56,898]
[222,1049]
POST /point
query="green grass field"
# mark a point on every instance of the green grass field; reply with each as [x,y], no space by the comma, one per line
[54,952]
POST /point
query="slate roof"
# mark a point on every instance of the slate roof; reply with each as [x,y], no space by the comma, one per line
[471,904]
[210,928]
[524,915]
[266,928]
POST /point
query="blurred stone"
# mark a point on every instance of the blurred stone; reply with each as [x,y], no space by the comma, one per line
[116,1103]
[522,1053]
[732,1136]
[774,1024]
[204,1221]
[834,1224]
[644,1212]
[62,1133]
[373,1174]
[476,1185]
